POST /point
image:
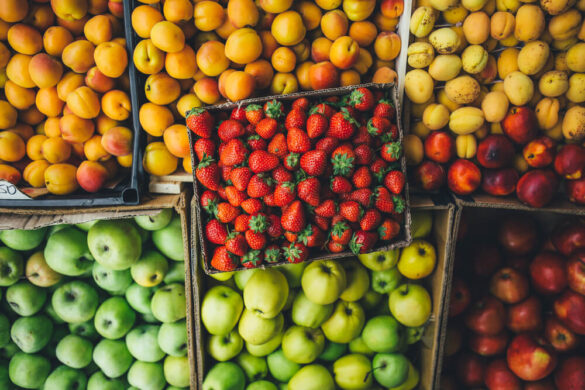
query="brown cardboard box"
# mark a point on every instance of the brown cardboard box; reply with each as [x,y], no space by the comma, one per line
[36,218]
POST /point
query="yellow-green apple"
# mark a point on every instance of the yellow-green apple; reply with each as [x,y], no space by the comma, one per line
[31,334]
[28,370]
[225,347]
[383,334]
[154,222]
[98,381]
[114,318]
[391,369]
[39,273]
[353,372]
[242,277]
[410,304]
[312,377]
[421,223]
[323,281]
[332,351]
[114,282]
[172,338]
[64,377]
[116,244]
[169,303]
[266,293]
[112,357]
[85,226]
[223,276]
[346,322]
[266,348]
[358,281]
[262,385]
[75,301]
[23,240]
[74,351]
[417,260]
[370,300]
[257,330]
[309,314]
[281,368]
[139,298]
[66,252]
[412,379]
[385,281]
[176,273]
[380,261]
[176,371]
[358,345]
[25,299]
[169,240]
[293,273]
[254,367]
[150,269]
[302,345]
[145,375]
[221,309]
[224,375]
[142,343]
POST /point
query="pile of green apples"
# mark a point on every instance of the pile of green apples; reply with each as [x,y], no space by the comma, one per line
[97,306]
[348,324]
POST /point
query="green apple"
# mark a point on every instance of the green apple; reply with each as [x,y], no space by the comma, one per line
[421,223]
[150,269]
[385,281]
[380,261]
[169,240]
[312,377]
[390,369]
[114,318]
[139,297]
[28,371]
[177,370]
[112,357]
[64,377]
[411,381]
[226,347]
[114,282]
[74,351]
[154,222]
[142,343]
[266,348]
[281,368]
[261,385]
[149,319]
[116,244]
[353,372]
[358,281]
[410,304]
[224,276]
[146,376]
[25,298]
[266,293]
[323,281]
[358,345]
[23,240]
[383,334]
[221,309]
[309,314]
[85,226]
[176,273]
[292,294]
[417,260]
[59,331]
[4,378]
[11,266]
[98,381]
[9,350]
[303,345]
[84,329]
[346,322]
[225,376]
[370,300]
[413,335]
[293,273]
[172,338]
[4,330]
[257,330]
[39,273]
[242,277]
[169,303]
[332,351]
[66,252]
[31,334]
[254,367]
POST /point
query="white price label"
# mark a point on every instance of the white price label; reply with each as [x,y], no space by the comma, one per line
[10,191]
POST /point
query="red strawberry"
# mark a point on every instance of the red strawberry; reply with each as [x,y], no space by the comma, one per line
[259,186]
[233,153]
[277,146]
[391,151]
[363,154]
[350,210]
[290,236]
[341,233]
[308,190]
[362,178]
[394,181]
[386,202]
[293,217]
[252,259]
[335,247]
[272,254]
[274,229]
[362,136]
[298,141]
[209,200]
[236,244]
[234,196]
[226,212]
[388,229]
[342,125]
[221,192]
[255,240]
[254,113]
[255,142]
[301,103]
[281,174]
[327,208]
[362,99]
[296,253]
[295,119]
[240,177]
[313,162]
[399,204]
[327,144]
[207,172]
[378,126]
[317,125]
[204,147]
[269,200]
[225,171]
[363,196]
[379,168]
[216,232]
[258,223]
[324,109]
[391,135]
[342,159]
[291,161]
[252,205]
[370,220]
[274,109]
[241,223]
[363,242]
[200,122]
[230,129]
[312,236]
[262,161]
[322,222]
[385,109]
[266,128]
[340,185]
[284,193]
[239,114]
[222,260]
[250,129]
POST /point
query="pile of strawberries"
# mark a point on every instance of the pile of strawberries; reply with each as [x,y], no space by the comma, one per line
[323,175]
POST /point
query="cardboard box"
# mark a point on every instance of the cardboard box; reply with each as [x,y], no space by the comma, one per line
[37,218]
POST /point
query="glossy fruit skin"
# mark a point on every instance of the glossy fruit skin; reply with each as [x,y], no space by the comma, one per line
[509,285]
[463,177]
[523,362]
[570,309]
[499,182]
[499,376]
[430,176]
[495,151]
[576,271]
[439,146]
[470,370]
[559,336]
[518,235]
[548,273]
[537,188]
[570,375]
[520,125]
[486,316]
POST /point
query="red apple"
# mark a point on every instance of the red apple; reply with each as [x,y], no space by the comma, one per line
[520,125]
[488,345]
[486,259]
[499,377]
[460,297]
[486,316]
[576,190]
[470,370]
[520,263]
[545,384]
[499,182]
[559,336]
[525,316]
[576,271]
[537,188]
[439,146]
[509,285]
[569,236]
[570,161]
[571,374]
[548,274]
[430,176]
[530,360]
[518,234]
[540,152]
[463,177]
[570,309]
[495,151]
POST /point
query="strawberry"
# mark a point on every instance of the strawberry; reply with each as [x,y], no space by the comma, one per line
[225,171]
[391,135]
[308,191]
[255,240]
[362,178]
[340,185]
[323,108]
[394,181]
[341,233]
[313,162]
[255,142]
[274,228]
[272,254]
[235,197]
[290,236]
[342,159]
[363,242]
[295,119]
[209,200]
[259,185]
[379,168]
[327,208]
[363,196]
[252,259]
[342,125]
[268,200]
[274,109]
[301,103]
[378,126]
[222,260]
[258,223]
[240,177]
[236,244]
[239,114]
[386,202]
[362,136]
[230,129]
[335,247]
[250,129]
[281,174]
[293,217]
[200,122]
[312,236]
[216,232]
[291,161]
[317,125]
[350,210]
[362,99]
[370,220]
[327,144]
[204,147]
[388,229]
[399,204]
[233,153]
[298,141]
[241,223]
[391,151]
[262,161]
[322,222]
[385,109]
[221,192]
[254,113]
[226,213]
[363,154]
[266,128]
[207,172]
[277,146]
[296,252]
[284,193]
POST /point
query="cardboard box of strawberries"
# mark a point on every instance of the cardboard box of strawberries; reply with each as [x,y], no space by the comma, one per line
[303,177]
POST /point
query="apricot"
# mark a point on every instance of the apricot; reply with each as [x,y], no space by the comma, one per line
[125,161]
[242,13]
[243,46]
[161,89]
[52,127]
[17,70]
[60,179]
[323,75]
[178,10]
[349,77]
[208,15]
[187,166]
[154,119]
[310,13]
[12,147]
[4,55]
[32,116]
[44,70]
[364,62]
[34,147]
[13,11]
[75,26]
[384,23]
[302,50]
[387,46]
[96,7]
[116,105]
[69,83]
[148,58]
[334,24]
[48,102]
[70,10]
[75,129]
[24,131]
[269,44]
[186,103]
[344,52]
[4,26]
[118,141]
[20,98]
[144,17]
[176,139]
[167,36]
[363,32]
[182,64]
[91,175]
[221,83]
[320,49]
[99,82]
[262,72]
[111,59]
[103,123]
[25,39]
[158,160]
[10,174]
[211,58]
[302,74]
[84,103]
[98,29]
[384,75]
[284,83]
[288,28]
[328,4]
[41,17]
[223,31]
[55,150]
[239,85]
[79,56]
[275,6]
[283,60]
[34,173]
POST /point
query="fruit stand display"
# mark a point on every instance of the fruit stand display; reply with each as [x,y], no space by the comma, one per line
[369,322]
[497,93]
[90,301]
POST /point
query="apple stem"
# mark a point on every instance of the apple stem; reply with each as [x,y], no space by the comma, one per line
[372,371]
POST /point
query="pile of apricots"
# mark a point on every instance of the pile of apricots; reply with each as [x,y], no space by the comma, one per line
[64,94]
[203,52]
